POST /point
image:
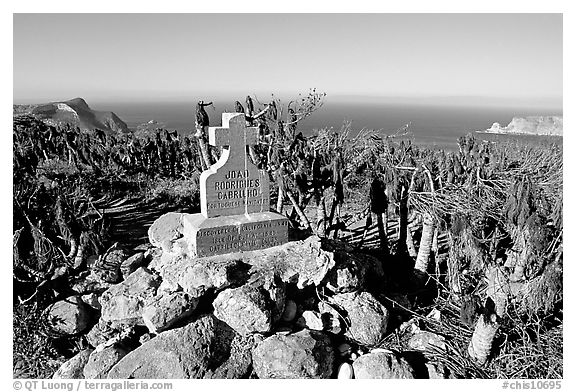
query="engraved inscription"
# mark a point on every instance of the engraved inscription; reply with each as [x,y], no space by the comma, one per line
[248,236]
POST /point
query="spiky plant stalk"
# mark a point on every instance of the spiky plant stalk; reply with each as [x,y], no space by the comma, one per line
[410,244]
[206,158]
[428,229]
[481,342]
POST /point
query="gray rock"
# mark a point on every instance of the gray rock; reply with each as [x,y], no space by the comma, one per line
[368,318]
[167,310]
[381,365]
[305,354]
[311,320]
[246,309]
[74,367]
[131,264]
[69,316]
[91,300]
[276,292]
[345,371]
[238,363]
[331,318]
[426,341]
[302,262]
[100,333]
[90,283]
[200,349]
[108,269]
[196,276]
[290,309]
[348,275]
[100,362]
[166,233]
[124,302]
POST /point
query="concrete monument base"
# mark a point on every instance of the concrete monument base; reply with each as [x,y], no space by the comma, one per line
[233,233]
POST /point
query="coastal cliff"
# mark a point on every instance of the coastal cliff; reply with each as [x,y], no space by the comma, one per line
[531,125]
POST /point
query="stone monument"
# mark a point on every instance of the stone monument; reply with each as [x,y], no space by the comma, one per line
[234,197]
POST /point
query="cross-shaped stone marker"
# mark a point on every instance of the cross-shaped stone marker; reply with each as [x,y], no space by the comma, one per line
[235,200]
[233,185]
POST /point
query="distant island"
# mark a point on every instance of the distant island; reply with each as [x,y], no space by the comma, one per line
[530,125]
[75,112]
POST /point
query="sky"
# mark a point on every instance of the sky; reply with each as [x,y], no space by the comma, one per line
[167,57]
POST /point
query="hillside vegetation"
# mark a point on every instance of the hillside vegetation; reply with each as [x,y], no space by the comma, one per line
[476,235]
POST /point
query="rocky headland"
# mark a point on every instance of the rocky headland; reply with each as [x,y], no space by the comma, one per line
[530,125]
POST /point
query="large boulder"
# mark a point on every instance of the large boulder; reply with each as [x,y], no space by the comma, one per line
[367,318]
[197,276]
[302,262]
[305,354]
[236,359]
[247,309]
[100,362]
[382,365]
[68,316]
[74,367]
[124,302]
[167,310]
[200,349]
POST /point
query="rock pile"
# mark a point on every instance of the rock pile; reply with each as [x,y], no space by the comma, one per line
[299,310]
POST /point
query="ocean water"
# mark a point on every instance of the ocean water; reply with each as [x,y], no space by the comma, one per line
[429,125]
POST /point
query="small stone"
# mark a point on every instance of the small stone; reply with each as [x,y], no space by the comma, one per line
[74,367]
[108,269]
[69,316]
[311,320]
[345,371]
[91,261]
[131,264]
[330,318]
[344,349]
[100,333]
[354,356]
[348,274]
[382,365]
[435,315]
[425,341]
[90,283]
[289,311]
[304,354]
[91,300]
[283,330]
